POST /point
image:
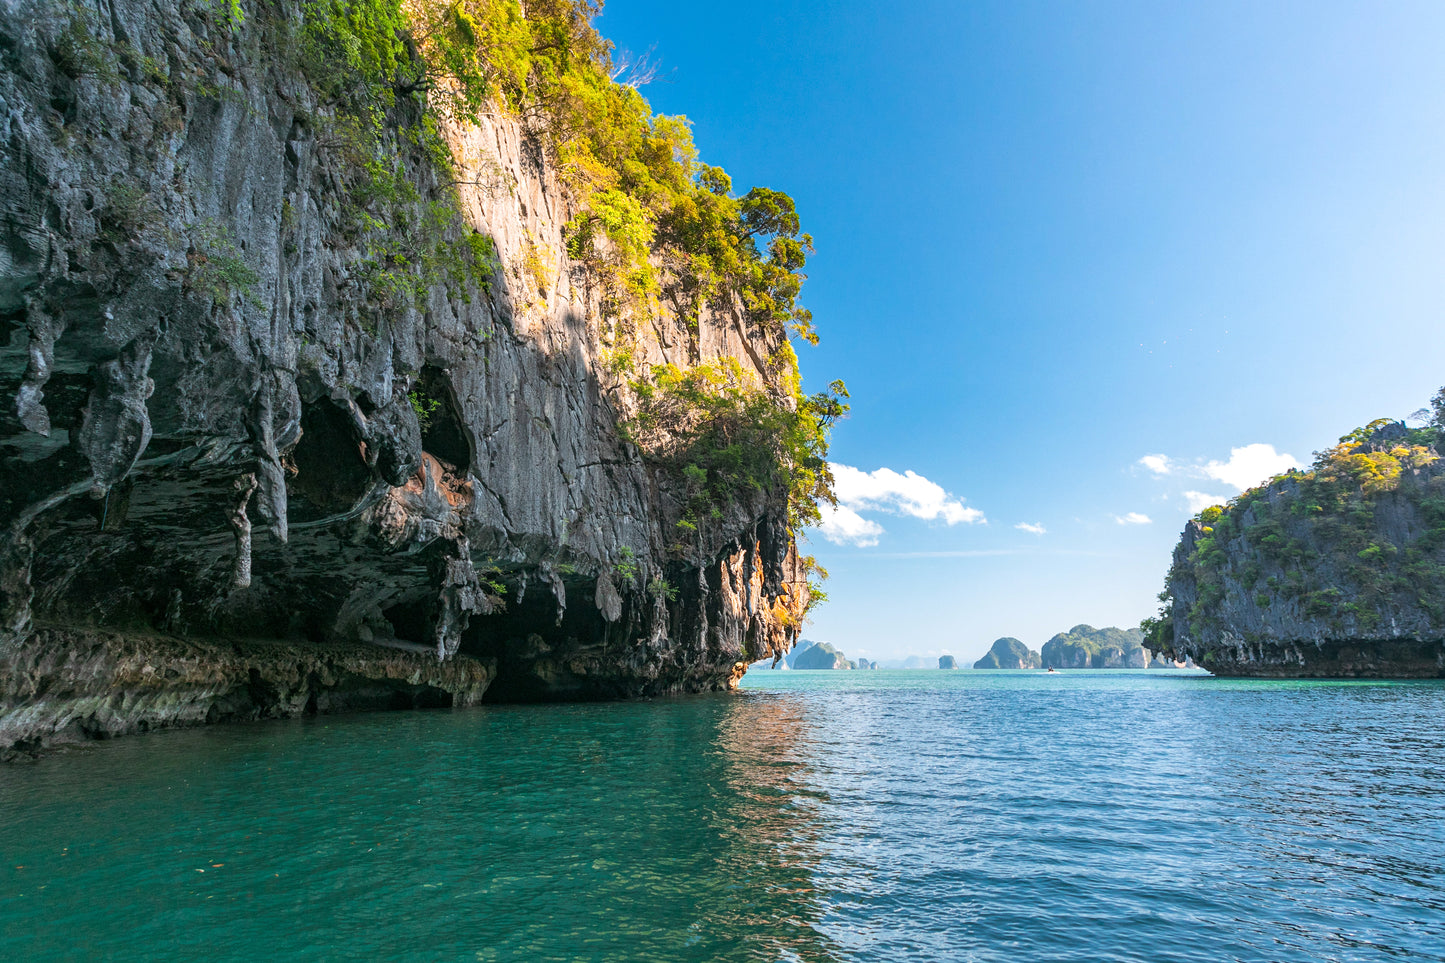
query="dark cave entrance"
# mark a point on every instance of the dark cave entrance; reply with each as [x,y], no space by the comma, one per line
[533,651]
[413,620]
[331,474]
[442,434]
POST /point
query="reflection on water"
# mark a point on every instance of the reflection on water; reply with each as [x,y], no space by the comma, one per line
[817,817]
[773,820]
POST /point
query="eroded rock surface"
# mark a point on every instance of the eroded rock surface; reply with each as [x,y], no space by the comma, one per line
[213,431]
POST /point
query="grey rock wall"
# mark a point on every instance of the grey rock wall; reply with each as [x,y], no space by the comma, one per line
[208,433]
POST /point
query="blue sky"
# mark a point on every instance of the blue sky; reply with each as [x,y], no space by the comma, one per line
[1056,238]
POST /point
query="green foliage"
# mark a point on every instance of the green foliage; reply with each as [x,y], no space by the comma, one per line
[659,588]
[424,406]
[363,57]
[814,576]
[490,580]
[626,566]
[727,437]
[229,12]
[128,211]
[80,53]
[215,268]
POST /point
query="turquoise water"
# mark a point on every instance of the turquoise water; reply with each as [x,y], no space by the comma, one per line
[816,816]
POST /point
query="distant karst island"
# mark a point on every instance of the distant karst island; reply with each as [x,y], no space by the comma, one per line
[808,654]
[1081,647]
[1009,653]
[1085,647]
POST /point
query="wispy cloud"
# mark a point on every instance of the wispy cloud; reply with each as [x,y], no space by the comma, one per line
[1247,465]
[991,553]
[1032,529]
[1199,501]
[843,526]
[1133,518]
[1251,465]
[887,491]
[1158,464]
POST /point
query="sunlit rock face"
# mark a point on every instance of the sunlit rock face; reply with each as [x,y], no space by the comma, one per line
[211,433]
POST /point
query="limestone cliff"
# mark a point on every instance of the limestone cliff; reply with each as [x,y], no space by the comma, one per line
[1338,571]
[285,423]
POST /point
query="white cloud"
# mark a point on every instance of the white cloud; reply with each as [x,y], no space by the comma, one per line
[1199,501]
[1034,529]
[1133,518]
[1158,464]
[885,490]
[843,526]
[1250,465]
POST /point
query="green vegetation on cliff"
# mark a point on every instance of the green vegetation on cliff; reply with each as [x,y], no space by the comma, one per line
[657,229]
[1352,547]
[652,221]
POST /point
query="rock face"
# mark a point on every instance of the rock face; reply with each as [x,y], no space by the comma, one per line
[1085,647]
[947,662]
[1334,572]
[821,656]
[1009,653]
[218,429]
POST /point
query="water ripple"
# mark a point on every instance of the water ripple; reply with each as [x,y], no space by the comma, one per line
[876,816]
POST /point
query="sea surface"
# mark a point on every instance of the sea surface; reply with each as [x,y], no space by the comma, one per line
[926,815]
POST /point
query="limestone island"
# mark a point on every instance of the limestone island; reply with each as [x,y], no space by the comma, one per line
[1009,653]
[1333,572]
[1085,647]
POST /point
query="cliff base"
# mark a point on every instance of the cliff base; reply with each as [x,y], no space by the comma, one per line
[71,685]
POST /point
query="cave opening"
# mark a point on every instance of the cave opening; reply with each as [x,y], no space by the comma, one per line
[533,652]
[331,474]
[442,432]
[413,620]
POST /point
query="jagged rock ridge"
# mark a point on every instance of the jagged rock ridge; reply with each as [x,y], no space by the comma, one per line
[217,435]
